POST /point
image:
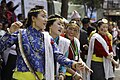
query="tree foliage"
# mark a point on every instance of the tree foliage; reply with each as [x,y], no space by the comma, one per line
[76,1]
[94,3]
[90,3]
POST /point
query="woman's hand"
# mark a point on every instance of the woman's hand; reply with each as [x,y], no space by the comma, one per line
[110,56]
[15,26]
[77,76]
[78,66]
[88,69]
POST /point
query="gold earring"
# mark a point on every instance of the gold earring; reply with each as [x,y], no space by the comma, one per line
[33,24]
[50,30]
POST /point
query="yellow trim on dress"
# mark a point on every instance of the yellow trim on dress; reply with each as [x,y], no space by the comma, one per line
[68,74]
[96,59]
[26,75]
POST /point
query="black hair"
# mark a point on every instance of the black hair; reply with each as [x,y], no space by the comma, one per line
[85,20]
[33,12]
[99,23]
[9,4]
[51,20]
[6,22]
[3,1]
[19,16]
[39,7]
[1,21]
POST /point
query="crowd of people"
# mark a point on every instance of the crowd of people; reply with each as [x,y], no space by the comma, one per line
[53,48]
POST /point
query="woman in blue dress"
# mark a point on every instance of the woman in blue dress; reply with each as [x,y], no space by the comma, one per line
[38,46]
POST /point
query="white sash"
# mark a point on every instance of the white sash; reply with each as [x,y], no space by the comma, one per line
[108,69]
[49,58]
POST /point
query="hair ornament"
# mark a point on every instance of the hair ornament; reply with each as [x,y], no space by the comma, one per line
[55,19]
[36,10]
[103,20]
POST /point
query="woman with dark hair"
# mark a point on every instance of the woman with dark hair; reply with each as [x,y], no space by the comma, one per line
[37,48]
[54,27]
[100,54]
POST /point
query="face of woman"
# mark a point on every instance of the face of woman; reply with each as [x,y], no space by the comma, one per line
[56,28]
[103,29]
[40,21]
[72,32]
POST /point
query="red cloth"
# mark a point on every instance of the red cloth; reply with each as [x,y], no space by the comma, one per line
[10,17]
[63,35]
[70,55]
[98,48]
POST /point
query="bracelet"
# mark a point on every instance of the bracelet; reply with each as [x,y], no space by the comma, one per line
[75,74]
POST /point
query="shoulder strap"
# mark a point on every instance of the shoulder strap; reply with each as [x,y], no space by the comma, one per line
[24,56]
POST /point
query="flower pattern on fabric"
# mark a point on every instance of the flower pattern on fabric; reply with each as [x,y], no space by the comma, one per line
[33,44]
[34,48]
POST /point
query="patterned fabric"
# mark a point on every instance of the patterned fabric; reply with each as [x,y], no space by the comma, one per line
[34,48]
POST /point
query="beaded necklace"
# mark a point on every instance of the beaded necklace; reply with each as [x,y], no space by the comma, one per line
[74,50]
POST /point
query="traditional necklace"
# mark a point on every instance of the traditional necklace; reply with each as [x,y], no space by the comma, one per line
[74,50]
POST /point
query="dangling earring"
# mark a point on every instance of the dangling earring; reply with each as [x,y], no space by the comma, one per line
[50,30]
[33,24]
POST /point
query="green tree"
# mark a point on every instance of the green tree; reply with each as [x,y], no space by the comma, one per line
[92,5]
[76,1]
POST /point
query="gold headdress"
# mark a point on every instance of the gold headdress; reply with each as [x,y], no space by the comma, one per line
[55,19]
[35,10]
[38,10]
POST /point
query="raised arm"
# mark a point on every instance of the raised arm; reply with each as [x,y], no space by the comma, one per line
[10,37]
